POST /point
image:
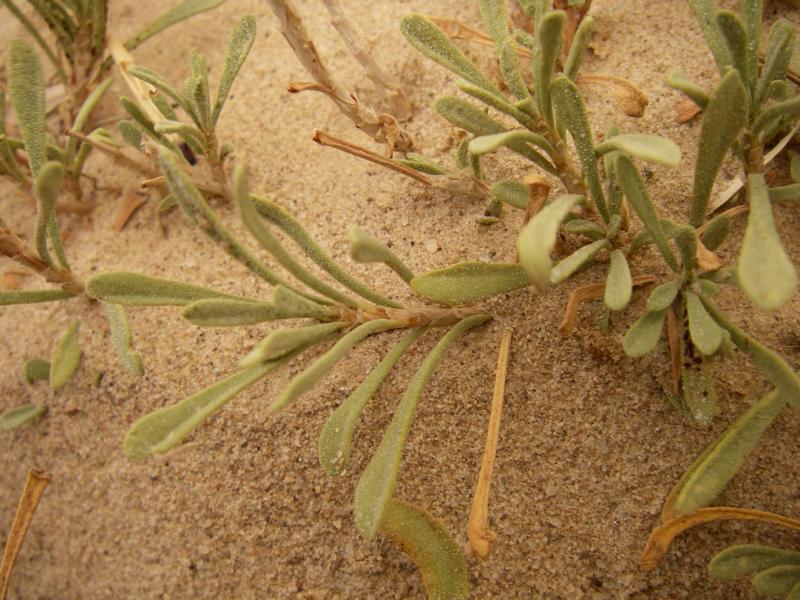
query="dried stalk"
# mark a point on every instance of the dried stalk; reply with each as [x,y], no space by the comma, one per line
[383,128]
[35,485]
[478,532]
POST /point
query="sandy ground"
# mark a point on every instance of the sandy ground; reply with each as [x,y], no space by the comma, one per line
[589,446]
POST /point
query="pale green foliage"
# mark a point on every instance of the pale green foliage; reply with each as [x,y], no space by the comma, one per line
[568,266]
[619,287]
[468,282]
[19,415]
[705,333]
[26,89]
[37,369]
[652,148]
[365,248]
[65,357]
[120,287]
[745,559]
[122,339]
[644,334]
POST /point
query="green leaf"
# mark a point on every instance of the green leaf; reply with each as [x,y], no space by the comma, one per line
[712,472]
[511,192]
[292,303]
[83,115]
[122,338]
[580,43]
[37,369]
[26,90]
[785,193]
[495,19]
[122,287]
[679,81]
[725,116]
[421,163]
[32,296]
[131,132]
[752,13]
[165,428]
[498,103]
[704,331]
[431,41]
[716,231]
[224,312]
[490,143]
[780,48]
[537,238]
[311,375]
[176,14]
[161,84]
[745,559]
[652,148]
[336,437]
[438,557]
[787,110]
[566,267]
[732,29]
[186,131]
[764,270]
[365,248]
[619,285]
[282,341]
[33,30]
[644,334]
[705,11]
[65,357]
[777,581]
[662,297]
[634,189]
[19,415]
[572,112]
[238,49]
[376,485]
[469,282]
[295,230]
[582,227]
[549,41]
[46,188]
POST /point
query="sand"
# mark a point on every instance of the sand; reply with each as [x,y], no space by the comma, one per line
[589,446]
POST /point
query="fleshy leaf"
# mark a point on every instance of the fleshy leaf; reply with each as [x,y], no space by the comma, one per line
[777,581]
[780,48]
[745,559]
[549,40]
[122,338]
[376,485]
[663,295]
[490,143]
[224,312]
[710,475]
[365,248]
[282,341]
[511,192]
[732,29]
[652,148]
[439,559]
[704,331]
[680,82]
[431,41]
[176,14]
[705,11]
[37,369]
[566,267]
[619,284]
[65,358]
[495,19]
[26,89]
[335,440]
[725,116]
[765,272]
[122,287]
[716,231]
[580,43]
[19,415]
[644,334]
[238,49]
[32,296]
[538,237]
[468,282]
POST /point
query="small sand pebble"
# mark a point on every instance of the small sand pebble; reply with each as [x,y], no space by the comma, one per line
[431,245]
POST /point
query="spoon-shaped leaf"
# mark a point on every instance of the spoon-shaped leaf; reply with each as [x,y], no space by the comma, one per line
[744,559]
[365,248]
[644,334]
[732,29]
[37,369]
[704,331]
[780,48]
[281,342]
[705,11]
[26,89]
[431,41]
[238,49]
[511,192]
[335,440]
[468,282]
[538,237]
[122,287]
[165,428]
[619,284]
[679,81]
[652,148]
[376,485]
[19,415]
[777,581]
[309,377]
[65,357]
[222,312]
[572,111]
[439,559]
[575,261]
[765,272]
[549,40]
[662,296]
[122,338]
[710,475]
[725,116]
